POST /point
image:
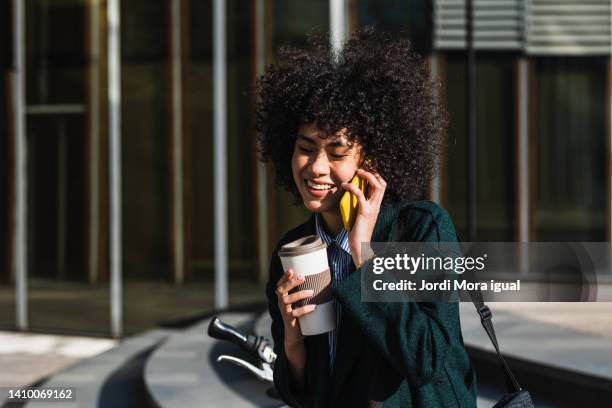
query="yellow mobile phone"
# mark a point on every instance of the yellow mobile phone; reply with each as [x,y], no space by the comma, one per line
[349,203]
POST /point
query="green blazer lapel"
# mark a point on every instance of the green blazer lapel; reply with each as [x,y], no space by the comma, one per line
[350,340]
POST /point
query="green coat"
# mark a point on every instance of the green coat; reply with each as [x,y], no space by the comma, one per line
[388,354]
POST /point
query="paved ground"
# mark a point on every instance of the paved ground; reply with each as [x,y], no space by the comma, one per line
[25,357]
[592,318]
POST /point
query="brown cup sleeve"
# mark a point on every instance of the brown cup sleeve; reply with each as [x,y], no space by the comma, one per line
[320,283]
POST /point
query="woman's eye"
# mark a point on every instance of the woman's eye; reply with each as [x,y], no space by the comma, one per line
[338,156]
[303,150]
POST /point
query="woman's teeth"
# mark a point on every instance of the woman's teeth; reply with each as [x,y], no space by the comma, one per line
[318,186]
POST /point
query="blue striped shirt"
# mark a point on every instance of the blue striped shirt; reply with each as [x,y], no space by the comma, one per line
[339,258]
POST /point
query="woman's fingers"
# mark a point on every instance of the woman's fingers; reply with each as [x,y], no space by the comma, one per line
[372,179]
[358,193]
[291,281]
[301,311]
[294,297]
[376,183]
[282,280]
[287,275]
[288,281]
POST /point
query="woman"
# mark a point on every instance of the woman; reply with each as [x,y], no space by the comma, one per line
[319,117]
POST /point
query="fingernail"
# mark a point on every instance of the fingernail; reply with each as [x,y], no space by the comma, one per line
[312,307]
[311,292]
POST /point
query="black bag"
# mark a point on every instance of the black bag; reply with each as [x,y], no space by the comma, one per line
[516,397]
[520,399]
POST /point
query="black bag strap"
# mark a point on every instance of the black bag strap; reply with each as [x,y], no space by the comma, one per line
[486,317]
[486,320]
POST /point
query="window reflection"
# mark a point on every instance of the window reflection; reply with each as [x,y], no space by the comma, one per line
[570,145]
[495,150]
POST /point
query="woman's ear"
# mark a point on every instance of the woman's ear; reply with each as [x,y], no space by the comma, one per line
[366,163]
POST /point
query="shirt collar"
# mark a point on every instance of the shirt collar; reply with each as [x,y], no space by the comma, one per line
[341,240]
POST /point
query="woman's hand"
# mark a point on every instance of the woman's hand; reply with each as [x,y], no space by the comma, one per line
[288,281]
[367,214]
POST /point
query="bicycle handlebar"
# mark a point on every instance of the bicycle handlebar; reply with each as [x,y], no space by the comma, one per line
[223,331]
[255,345]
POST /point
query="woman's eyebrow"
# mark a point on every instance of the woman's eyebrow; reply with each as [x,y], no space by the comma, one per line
[335,143]
[338,143]
[306,138]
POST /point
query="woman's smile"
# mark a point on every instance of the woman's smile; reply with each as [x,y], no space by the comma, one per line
[319,189]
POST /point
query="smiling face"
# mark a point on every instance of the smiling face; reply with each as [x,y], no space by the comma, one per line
[321,165]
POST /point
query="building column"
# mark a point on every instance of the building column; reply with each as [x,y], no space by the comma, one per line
[435,186]
[220,153]
[522,163]
[93,139]
[177,146]
[609,143]
[338,22]
[114,126]
[19,206]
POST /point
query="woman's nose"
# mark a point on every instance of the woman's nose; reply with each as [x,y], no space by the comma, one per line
[320,165]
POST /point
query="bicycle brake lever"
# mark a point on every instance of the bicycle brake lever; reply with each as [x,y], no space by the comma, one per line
[265,373]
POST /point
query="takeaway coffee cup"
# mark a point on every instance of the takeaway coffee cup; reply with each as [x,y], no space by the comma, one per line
[307,257]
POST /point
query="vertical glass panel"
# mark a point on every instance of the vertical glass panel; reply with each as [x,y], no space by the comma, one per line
[61,297]
[242,161]
[145,139]
[456,170]
[7,288]
[495,147]
[495,122]
[242,165]
[146,161]
[199,112]
[294,19]
[394,16]
[570,147]
[411,17]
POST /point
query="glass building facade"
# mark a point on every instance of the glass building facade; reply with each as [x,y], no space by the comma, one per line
[67,142]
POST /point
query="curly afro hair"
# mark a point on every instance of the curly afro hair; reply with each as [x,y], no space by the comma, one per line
[377,87]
